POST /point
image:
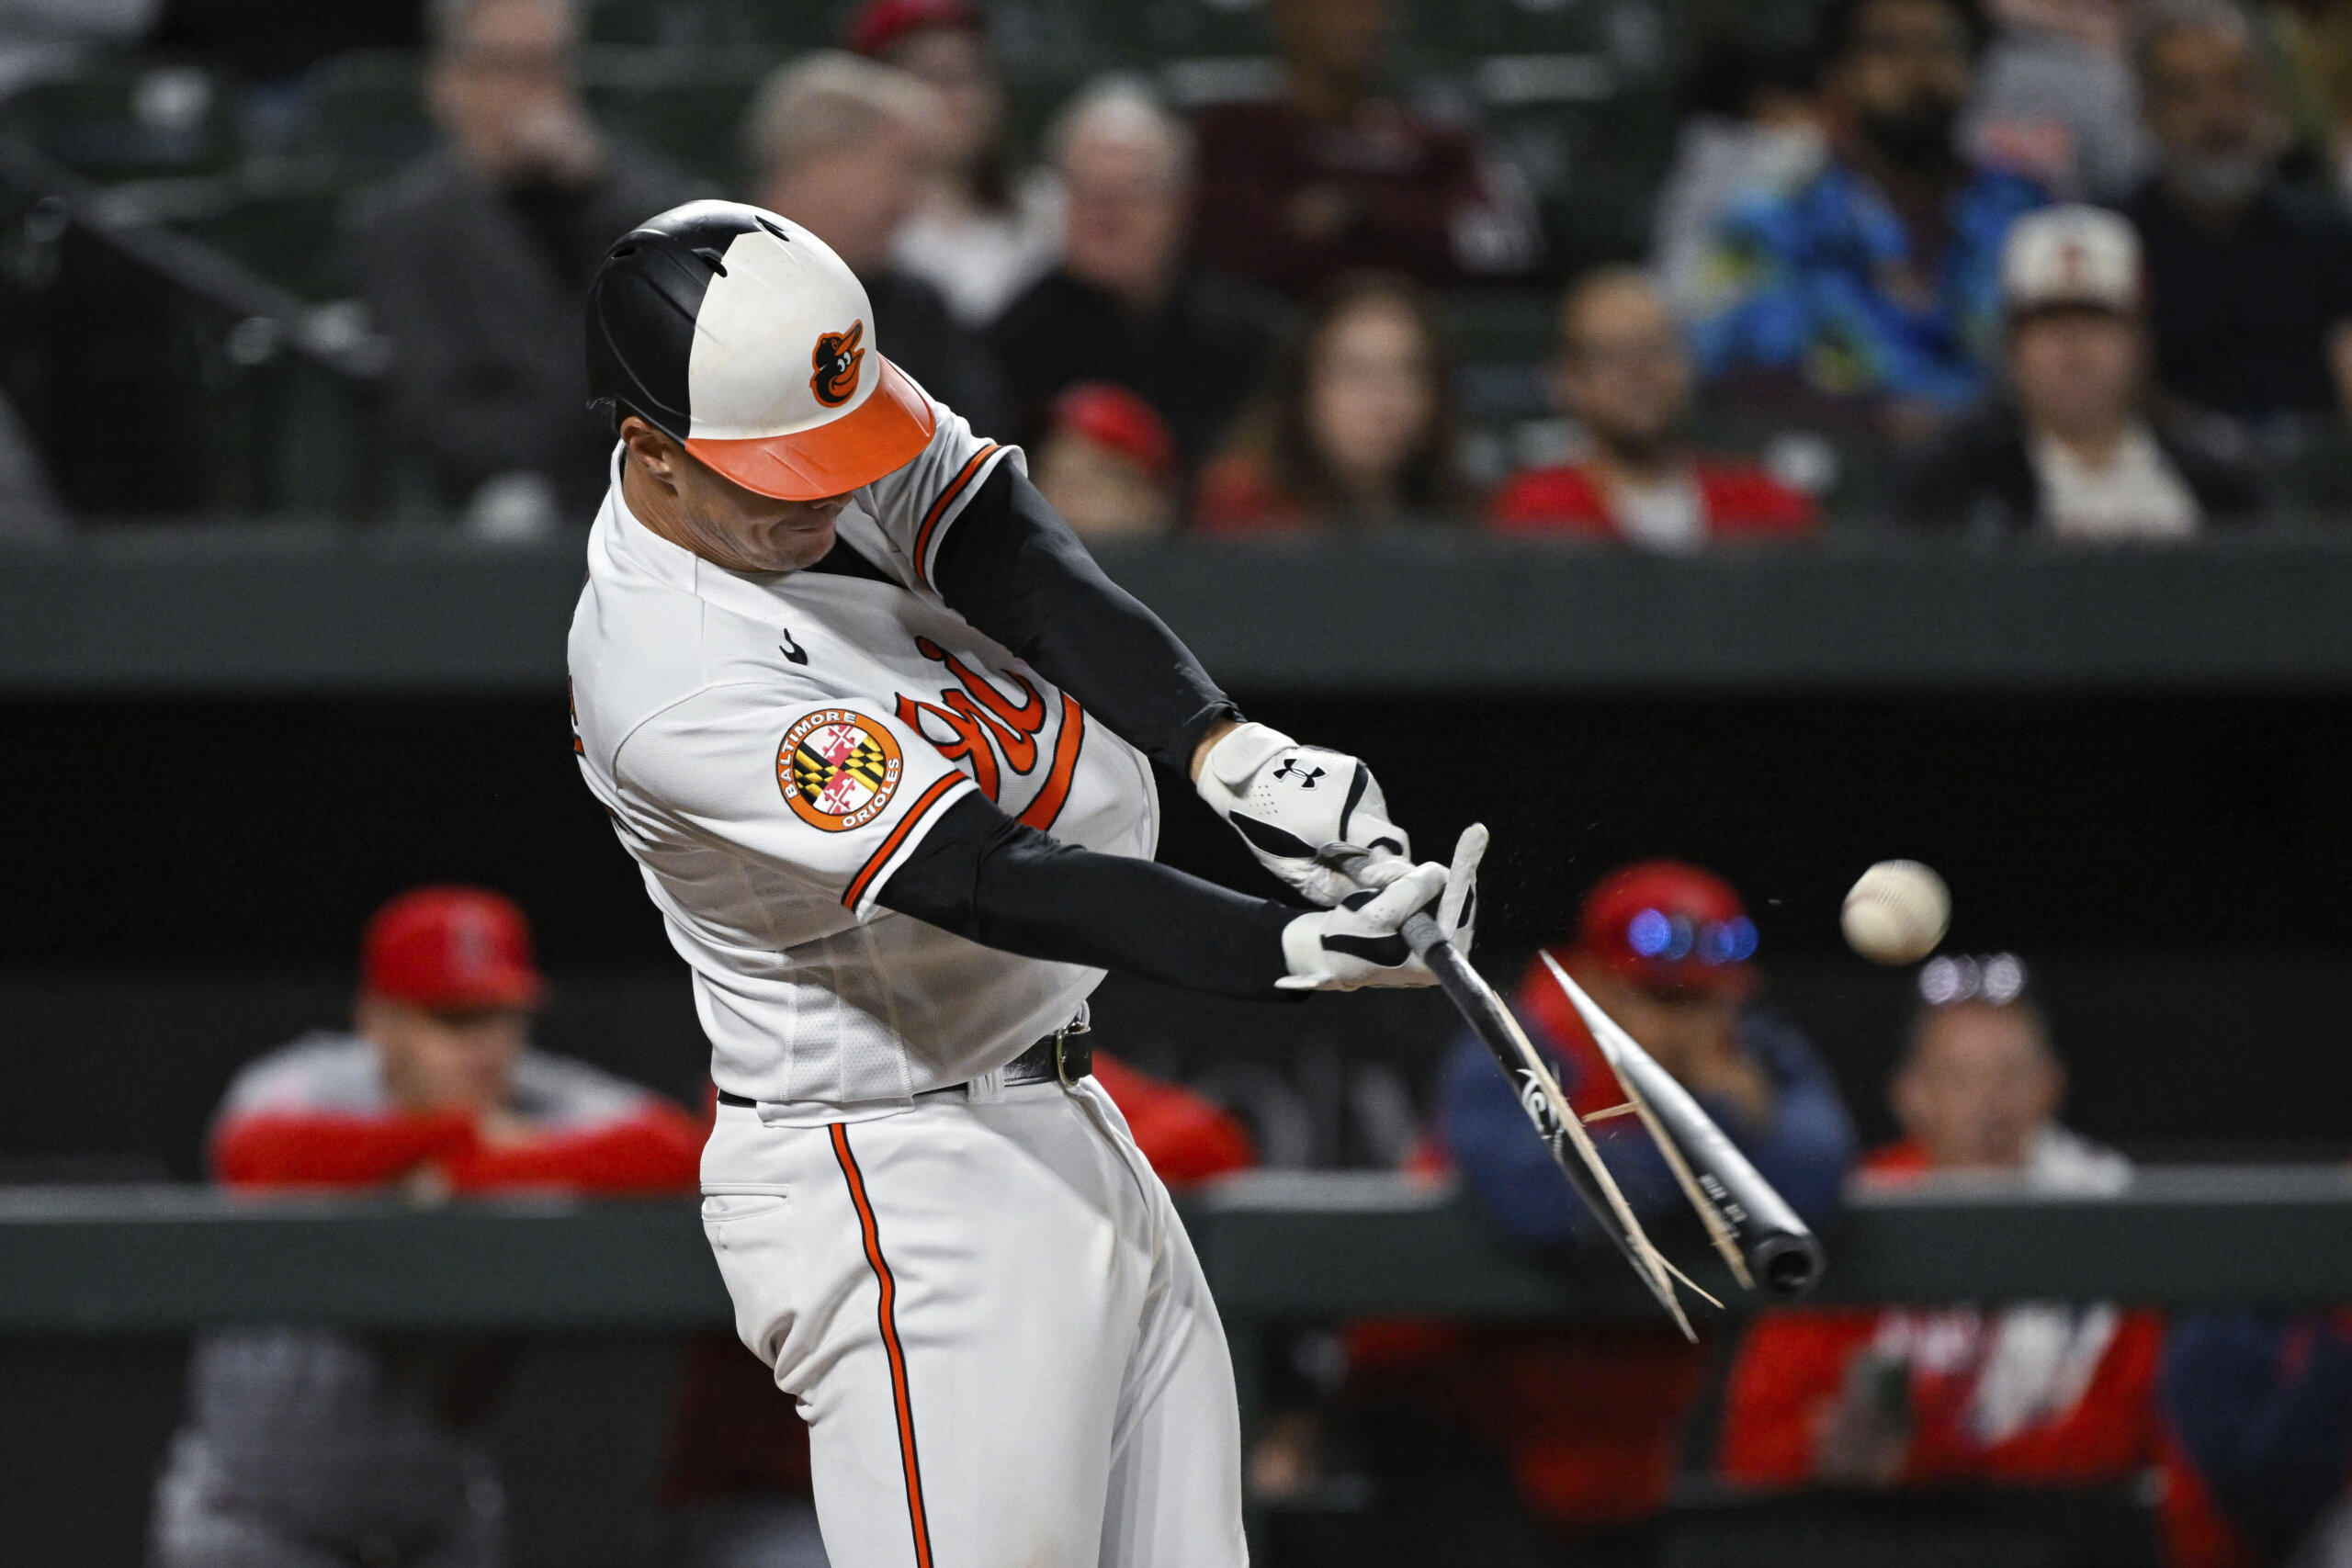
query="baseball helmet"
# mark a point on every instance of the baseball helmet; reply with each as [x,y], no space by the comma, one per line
[1671,927]
[742,336]
[451,948]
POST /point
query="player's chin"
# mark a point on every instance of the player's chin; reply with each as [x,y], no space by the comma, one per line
[795,542]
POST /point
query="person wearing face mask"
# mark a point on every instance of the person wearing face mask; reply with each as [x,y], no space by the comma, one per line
[2250,283]
[2074,452]
[2031,1393]
[1869,295]
[1355,425]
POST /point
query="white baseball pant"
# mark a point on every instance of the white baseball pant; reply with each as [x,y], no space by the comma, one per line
[996,1327]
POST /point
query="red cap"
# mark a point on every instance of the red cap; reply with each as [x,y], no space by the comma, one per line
[1667,927]
[1116,420]
[879,24]
[451,948]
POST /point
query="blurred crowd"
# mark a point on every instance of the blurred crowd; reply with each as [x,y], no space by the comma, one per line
[1880,234]
[1538,1446]
[2072,267]
[1391,1443]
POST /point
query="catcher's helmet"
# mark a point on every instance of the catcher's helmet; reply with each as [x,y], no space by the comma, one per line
[741,335]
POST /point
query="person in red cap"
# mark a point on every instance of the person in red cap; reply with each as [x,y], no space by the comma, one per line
[1586,1421]
[435,1086]
[308,1444]
[1108,463]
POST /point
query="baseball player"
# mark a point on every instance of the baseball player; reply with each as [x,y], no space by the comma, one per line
[878,733]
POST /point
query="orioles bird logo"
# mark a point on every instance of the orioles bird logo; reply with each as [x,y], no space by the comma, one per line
[836,358]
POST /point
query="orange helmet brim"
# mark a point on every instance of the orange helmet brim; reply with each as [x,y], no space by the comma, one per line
[885,431]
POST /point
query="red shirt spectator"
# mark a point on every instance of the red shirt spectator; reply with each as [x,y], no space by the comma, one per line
[1625,376]
[310,1441]
[2034,1392]
[1735,498]
[438,1085]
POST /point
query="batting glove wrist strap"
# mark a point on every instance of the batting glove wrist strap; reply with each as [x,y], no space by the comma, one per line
[1294,805]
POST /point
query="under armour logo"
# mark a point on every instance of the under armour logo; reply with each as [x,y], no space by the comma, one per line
[1291,769]
[790,648]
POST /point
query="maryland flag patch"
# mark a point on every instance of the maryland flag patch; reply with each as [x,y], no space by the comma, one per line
[838,769]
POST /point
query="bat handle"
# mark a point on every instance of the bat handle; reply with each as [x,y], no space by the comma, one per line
[1421,930]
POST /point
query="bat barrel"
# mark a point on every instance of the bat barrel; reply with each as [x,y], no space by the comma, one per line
[1785,1265]
[1780,1249]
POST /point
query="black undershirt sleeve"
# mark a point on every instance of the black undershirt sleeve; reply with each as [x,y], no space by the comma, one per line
[1014,568]
[986,877]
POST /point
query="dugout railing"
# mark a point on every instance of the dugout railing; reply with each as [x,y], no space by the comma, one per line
[137,1265]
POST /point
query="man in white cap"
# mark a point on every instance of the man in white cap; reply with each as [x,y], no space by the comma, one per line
[878,733]
[2073,452]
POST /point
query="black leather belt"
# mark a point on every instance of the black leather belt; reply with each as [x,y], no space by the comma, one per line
[1063,1057]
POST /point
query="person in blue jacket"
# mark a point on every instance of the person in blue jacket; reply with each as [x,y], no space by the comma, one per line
[2259,1410]
[1667,950]
[1532,1446]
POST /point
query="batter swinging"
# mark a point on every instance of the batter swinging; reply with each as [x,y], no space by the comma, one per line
[876,729]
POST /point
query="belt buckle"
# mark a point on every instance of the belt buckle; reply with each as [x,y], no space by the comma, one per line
[1061,1041]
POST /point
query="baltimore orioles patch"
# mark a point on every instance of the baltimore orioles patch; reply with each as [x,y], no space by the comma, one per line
[834,362]
[838,769]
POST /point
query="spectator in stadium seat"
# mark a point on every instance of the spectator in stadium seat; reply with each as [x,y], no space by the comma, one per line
[474,262]
[2072,451]
[2032,1393]
[2055,97]
[2250,281]
[1751,123]
[1108,463]
[314,1444]
[736,1477]
[838,144]
[980,234]
[1624,373]
[1128,302]
[1869,295]
[1588,1419]
[1355,425]
[1331,177]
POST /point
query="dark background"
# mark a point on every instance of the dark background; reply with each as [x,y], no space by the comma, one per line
[186,881]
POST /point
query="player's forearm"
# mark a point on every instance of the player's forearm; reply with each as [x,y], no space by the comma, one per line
[985,878]
[1014,569]
[327,1150]
[656,1150]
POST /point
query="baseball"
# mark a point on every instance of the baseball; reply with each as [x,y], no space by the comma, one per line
[1897,912]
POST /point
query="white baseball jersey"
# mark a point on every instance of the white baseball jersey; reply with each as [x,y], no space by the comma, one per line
[772,747]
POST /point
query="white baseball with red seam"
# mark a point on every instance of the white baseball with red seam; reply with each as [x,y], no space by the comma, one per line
[1897,912]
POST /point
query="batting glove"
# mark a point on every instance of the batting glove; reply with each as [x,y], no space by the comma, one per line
[1299,806]
[1361,941]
